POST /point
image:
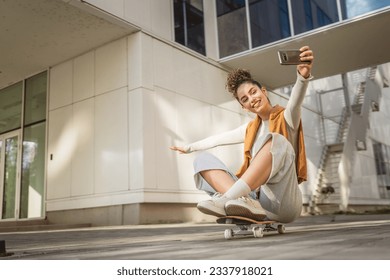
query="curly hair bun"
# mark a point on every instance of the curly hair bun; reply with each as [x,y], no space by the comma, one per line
[236,78]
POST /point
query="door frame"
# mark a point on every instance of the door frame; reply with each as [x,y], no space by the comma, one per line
[3,138]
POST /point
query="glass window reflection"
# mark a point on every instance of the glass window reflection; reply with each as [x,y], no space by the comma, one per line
[35,100]
[269,21]
[353,8]
[232,27]
[11,107]
[189,24]
[33,166]
[310,14]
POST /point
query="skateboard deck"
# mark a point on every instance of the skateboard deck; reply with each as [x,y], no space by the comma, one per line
[246,226]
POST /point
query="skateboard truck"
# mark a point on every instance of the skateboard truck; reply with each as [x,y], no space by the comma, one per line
[246,226]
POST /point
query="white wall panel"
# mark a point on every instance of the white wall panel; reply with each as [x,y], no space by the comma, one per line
[166,130]
[196,80]
[114,7]
[162,18]
[111,142]
[136,155]
[139,13]
[150,139]
[140,61]
[213,88]
[84,77]
[111,66]
[61,85]
[151,15]
[83,156]
[164,71]
[61,148]
[142,139]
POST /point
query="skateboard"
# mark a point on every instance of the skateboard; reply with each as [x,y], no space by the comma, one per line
[246,226]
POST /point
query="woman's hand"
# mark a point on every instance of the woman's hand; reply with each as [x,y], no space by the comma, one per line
[307,56]
[181,150]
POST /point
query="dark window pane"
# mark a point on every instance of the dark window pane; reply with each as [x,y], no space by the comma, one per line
[189,24]
[269,21]
[232,27]
[35,100]
[33,172]
[11,107]
[311,14]
[178,11]
[228,6]
[10,178]
[379,158]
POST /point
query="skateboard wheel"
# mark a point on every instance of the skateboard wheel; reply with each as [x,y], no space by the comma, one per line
[228,234]
[257,232]
[281,229]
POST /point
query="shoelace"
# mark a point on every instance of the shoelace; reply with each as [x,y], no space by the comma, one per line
[217,195]
[247,200]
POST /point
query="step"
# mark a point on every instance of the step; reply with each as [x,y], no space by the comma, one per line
[356,108]
[15,223]
[336,147]
[36,226]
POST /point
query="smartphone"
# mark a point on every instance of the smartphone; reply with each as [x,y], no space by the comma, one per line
[290,57]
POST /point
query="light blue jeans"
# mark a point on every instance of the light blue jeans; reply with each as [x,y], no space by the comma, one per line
[280,196]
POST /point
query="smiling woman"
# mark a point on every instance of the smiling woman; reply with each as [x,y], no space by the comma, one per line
[249,93]
[266,186]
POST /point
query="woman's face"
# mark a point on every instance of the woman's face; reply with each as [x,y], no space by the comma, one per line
[253,99]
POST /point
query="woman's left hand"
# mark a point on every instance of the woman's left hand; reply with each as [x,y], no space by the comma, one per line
[181,150]
[307,56]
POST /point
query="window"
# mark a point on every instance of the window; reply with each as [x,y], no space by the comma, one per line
[33,167]
[35,99]
[34,143]
[382,158]
[189,24]
[232,27]
[311,14]
[269,21]
[24,195]
[11,107]
[382,164]
[353,8]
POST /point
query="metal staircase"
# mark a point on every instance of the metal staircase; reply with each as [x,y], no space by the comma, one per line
[328,187]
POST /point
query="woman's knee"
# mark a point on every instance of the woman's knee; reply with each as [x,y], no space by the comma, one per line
[201,157]
[281,143]
[205,160]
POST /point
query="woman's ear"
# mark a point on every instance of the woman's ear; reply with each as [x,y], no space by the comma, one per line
[264,90]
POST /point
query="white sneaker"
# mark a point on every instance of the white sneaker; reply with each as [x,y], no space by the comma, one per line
[214,206]
[245,207]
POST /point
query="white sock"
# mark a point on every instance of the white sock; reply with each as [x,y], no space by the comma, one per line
[240,188]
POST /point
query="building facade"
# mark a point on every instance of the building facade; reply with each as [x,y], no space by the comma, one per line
[90,105]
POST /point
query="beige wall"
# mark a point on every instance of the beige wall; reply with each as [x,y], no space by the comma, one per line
[113,113]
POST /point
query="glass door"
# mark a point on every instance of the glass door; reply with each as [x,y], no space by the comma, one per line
[9,175]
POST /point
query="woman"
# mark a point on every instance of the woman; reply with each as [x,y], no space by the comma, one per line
[266,186]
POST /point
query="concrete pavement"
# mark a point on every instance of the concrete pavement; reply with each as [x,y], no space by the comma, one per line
[330,237]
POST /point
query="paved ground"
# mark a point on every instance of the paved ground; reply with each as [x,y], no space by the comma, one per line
[315,237]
